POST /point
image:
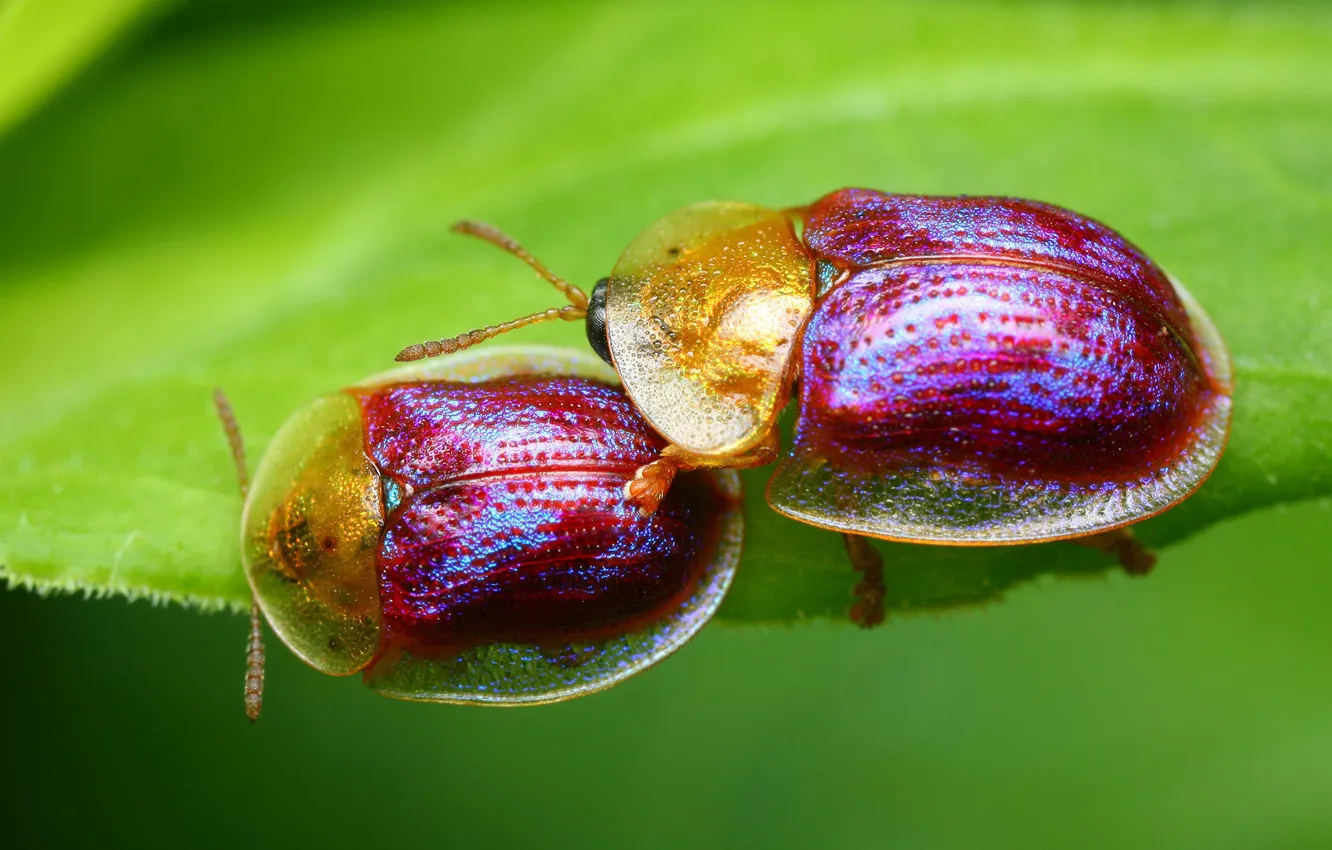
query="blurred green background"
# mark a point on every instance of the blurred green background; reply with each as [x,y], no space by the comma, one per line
[258,195]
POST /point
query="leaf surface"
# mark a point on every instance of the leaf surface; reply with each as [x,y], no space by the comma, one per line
[45,42]
[265,208]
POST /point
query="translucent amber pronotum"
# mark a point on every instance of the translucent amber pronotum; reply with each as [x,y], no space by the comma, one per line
[310,537]
[703,313]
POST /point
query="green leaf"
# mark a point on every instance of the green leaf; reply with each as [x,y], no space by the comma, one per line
[265,208]
[44,42]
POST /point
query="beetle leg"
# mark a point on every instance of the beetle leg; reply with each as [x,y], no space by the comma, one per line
[1135,558]
[867,611]
[652,481]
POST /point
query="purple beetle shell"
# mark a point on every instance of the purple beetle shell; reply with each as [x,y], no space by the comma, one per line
[458,531]
[512,524]
[990,370]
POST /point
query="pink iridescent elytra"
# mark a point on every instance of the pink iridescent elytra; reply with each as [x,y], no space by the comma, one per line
[512,524]
[993,369]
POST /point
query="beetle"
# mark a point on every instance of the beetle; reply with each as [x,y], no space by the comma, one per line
[460,533]
[966,370]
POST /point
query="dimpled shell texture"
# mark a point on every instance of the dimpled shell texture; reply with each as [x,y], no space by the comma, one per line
[512,568]
[991,370]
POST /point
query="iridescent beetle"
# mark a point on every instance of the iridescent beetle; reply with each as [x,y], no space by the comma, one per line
[461,534]
[969,370]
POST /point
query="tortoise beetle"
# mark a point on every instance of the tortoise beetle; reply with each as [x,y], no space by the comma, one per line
[967,370]
[460,534]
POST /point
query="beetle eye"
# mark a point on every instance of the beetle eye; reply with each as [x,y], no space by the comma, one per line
[596,321]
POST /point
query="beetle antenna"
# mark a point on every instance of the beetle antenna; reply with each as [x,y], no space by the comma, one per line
[505,242]
[234,440]
[576,311]
[434,348]
[254,652]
